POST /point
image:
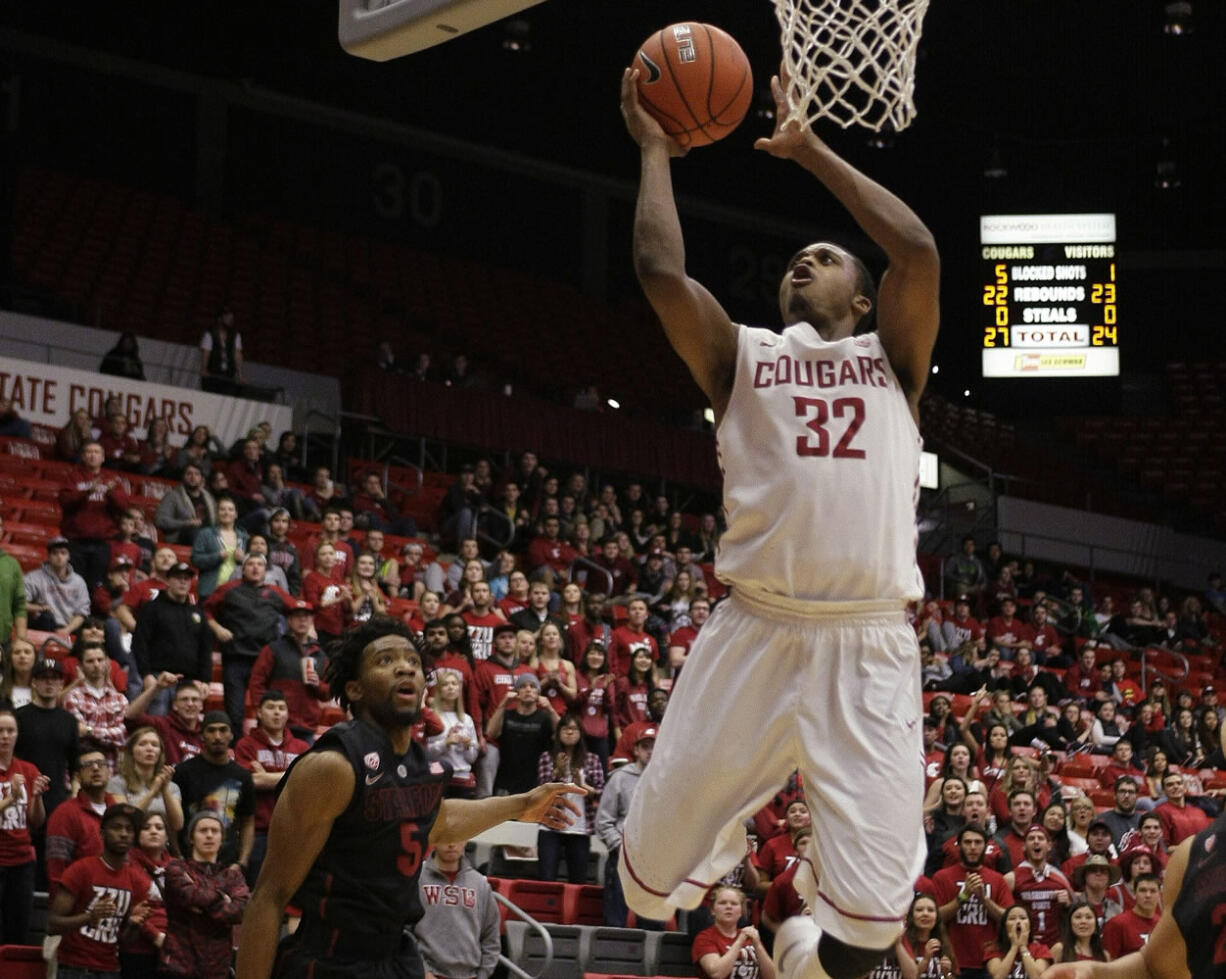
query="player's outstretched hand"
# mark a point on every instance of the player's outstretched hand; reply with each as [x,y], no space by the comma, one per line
[643,129]
[548,805]
[790,134]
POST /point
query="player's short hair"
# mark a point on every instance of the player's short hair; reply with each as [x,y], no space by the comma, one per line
[345,654]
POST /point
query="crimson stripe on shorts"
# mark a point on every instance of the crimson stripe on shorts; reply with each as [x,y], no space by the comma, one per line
[846,914]
[651,890]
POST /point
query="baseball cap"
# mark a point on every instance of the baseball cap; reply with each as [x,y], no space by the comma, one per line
[47,666]
[57,542]
[302,606]
[121,810]
[1207,688]
[120,563]
[649,734]
[502,627]
[1098,824]
[180,568]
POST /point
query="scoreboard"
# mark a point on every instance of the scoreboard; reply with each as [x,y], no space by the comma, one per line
[1049,295]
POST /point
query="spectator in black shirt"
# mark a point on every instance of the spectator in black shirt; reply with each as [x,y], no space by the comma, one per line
[46,733]
[172,636]
[213,781]
[523,726]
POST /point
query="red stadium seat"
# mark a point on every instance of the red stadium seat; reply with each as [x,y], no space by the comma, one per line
[542,899]
[583,904]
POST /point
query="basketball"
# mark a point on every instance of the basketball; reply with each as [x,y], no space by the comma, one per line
[696,82]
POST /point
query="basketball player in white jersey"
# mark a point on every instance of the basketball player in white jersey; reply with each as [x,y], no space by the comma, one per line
[811,663]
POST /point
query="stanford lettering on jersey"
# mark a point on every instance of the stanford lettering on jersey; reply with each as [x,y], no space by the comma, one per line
[449,895]
[400,802]
[783,369]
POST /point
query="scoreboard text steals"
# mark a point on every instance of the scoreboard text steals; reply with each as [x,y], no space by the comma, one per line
[1049,295]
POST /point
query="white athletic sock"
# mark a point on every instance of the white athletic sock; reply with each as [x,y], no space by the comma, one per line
[796,949]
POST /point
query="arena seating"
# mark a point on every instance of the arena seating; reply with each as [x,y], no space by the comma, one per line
[150,264]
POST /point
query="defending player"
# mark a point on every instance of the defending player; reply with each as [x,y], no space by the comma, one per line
[356,815]
[819,446]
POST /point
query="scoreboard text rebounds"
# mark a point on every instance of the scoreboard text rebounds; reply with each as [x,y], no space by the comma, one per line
[1049,297]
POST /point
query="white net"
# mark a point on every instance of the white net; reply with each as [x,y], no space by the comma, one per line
[852,61]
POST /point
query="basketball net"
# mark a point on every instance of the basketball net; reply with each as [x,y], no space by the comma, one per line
[852,61]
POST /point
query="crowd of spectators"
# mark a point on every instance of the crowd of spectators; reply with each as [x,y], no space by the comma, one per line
[556,633]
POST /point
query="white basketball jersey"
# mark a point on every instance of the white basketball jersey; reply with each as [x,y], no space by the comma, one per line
[820,457]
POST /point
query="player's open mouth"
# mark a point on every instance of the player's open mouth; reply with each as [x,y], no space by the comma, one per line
[802,275]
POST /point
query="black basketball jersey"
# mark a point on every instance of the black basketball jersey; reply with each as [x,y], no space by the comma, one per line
[1200,909]
[365,877]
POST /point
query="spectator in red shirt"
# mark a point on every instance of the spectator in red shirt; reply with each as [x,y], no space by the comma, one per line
[1129,930]
[1014,955]
[119,445]
[782,900]
[101,893]
[972,899]
[516,598]
[246,476]
[780,853]
[1126,691]
[620,568]
[594,702]
[1083,679]
[1180,818]
[1012,836]
[374,505]
[726,948]
[180,728]
[1040,886]
[961,628]
[111,592]
[631,691]
[549,554]
[1007,631]
[327,595]
[330,532]
[92,501]
[631,637]
[1045,640]
[73,829]
[21,810]
[590,627]
[293,666]
[267,752]
[681,639]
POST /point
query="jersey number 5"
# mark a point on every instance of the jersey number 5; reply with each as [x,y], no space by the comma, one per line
[818,444]
[409,860]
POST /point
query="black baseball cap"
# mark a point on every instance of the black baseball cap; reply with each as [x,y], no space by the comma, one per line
[57,542]
[46,665]
[122,810]
[181,568]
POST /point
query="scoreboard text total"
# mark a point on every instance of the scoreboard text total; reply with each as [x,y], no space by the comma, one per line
[1049,295]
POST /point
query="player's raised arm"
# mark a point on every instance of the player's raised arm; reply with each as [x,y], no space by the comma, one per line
[316,793]
[694,321]
[908,312]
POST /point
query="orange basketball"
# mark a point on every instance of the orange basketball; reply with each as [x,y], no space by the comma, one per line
[695,81]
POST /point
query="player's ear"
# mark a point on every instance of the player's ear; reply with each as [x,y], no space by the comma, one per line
[353,691]
[862,304]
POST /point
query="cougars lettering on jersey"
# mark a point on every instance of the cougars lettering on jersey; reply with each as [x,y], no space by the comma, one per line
[830,424]
[448,896]
[481,632]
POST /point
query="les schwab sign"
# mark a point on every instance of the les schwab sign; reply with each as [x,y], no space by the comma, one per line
[48,394]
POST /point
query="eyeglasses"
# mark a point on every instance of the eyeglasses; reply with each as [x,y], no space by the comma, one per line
[96,763]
